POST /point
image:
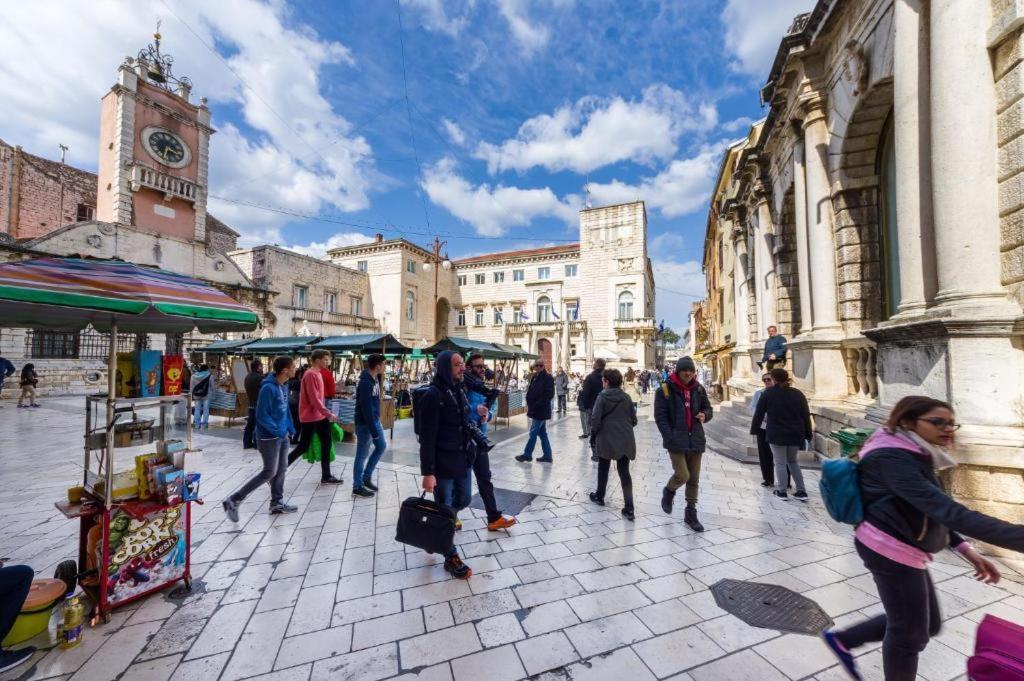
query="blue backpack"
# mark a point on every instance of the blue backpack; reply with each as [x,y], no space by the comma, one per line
[840,490]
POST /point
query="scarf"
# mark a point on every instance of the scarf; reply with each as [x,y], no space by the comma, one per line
[941,458]
[685,389]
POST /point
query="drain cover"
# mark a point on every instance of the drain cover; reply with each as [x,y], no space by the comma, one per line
[771,606]
[509,501]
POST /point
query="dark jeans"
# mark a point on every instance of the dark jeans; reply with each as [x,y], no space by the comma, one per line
[249,434]
[561,404]
[274,451]
[323,429]
[622,466]
[911,615]
[767,460]
[14,584]
[482,473]
[457,493]
[366,463]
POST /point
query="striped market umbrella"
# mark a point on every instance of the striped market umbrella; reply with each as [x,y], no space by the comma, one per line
[71,293]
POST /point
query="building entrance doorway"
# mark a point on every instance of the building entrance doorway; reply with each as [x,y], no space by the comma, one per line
[544,350]
[441,319]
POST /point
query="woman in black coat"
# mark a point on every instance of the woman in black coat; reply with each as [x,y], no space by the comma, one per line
[789,427]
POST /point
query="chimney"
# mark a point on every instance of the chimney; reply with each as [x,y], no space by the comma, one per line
[378,238]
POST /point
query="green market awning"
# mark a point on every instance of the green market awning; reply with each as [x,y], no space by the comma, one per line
[364,343]
[516,351]
[72,293]
[227,347]
[281,345]
[468,346]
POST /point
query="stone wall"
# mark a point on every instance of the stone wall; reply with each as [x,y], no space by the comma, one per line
[1008,66]
[787,278]
[31,201]
[858,273]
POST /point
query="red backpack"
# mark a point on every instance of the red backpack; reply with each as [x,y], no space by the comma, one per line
[998,651]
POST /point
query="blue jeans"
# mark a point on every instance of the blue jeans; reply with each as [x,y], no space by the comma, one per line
[201,412]
[538,428]
[362,469]
[457,493]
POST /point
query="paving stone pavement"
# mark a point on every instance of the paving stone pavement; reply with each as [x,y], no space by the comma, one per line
[571,592]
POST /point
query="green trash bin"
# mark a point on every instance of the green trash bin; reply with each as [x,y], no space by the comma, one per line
[851,439]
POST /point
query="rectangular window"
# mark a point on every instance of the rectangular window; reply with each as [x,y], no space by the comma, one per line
[410,306]
[571,270]
[478,317]
[357,307]
[518,275]
[572,311]
[462,280]
[85,212]
[499,277]
[517,315]
[480,278]
[300,297]
[498,316]
[462,318]
[572,349]
[54,345]
[410,266]
[543,272]
[362,265]
[330,301]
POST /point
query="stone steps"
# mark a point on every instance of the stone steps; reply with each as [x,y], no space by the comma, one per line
[728,434]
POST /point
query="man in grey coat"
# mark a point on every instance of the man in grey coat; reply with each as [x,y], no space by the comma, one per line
[561,389]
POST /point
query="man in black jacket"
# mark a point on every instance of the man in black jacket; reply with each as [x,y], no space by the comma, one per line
[446,458]
[681,408]
[538,410]
[592,387]
[253,380]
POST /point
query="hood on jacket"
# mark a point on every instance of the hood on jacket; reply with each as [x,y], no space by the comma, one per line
[271,378]
[614,395]
[883,439]
[443,369]
[200,375]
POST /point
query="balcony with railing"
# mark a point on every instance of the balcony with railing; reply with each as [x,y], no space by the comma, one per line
[861,359]
[642,325]
[575,326]
[310,315]
[170,185]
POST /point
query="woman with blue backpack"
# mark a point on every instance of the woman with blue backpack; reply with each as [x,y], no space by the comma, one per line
[905,517]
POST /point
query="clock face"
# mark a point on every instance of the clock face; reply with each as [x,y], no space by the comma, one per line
[166,147]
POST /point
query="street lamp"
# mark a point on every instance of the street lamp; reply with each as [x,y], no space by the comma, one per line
[435,260]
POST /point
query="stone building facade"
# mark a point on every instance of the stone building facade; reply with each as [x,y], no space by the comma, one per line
[877,217]
[313,297]
[569,303]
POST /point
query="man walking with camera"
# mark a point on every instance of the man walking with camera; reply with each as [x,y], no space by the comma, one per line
[481,409]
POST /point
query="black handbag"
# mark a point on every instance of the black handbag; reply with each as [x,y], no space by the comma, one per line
[426,524]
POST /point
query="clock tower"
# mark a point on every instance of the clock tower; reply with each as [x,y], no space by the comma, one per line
[154,146]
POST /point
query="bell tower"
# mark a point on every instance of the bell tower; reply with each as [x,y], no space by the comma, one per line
[154,149]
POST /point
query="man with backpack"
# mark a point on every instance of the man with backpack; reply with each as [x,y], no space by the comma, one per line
[440,413]
[681,408]
[593,384]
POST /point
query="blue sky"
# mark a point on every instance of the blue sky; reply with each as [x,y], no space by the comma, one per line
[507,116]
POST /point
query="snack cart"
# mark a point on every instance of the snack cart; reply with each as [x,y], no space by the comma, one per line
[128,546]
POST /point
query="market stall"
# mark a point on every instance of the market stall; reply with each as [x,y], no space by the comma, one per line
[351,350]
[134,520]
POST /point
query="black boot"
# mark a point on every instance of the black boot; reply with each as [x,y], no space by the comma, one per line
[667,496]
[690,518]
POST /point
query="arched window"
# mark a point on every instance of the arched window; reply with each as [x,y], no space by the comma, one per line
[410,306]
[543,309]
[625,305]
[890,230]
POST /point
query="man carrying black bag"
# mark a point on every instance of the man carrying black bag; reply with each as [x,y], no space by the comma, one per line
[446,453]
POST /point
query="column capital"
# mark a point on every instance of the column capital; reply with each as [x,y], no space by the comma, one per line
[812,103]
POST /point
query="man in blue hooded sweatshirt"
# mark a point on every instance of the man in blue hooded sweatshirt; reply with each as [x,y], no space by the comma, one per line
[446,457]
[273,426]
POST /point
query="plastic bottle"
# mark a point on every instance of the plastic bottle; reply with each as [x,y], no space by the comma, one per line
[72,629]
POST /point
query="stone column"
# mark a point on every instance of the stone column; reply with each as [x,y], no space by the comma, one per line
[913,161]
[963,145]
[741,359]
[802,258]
[820,242]
[764,267]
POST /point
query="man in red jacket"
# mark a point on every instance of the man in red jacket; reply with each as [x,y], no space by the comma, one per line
[314,416]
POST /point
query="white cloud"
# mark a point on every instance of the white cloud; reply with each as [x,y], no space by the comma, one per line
[667,242]
[455,133]
[318,249]
[595,132]
[735,125]
[530,37]
[436,15]
[672,278]
[754,29]
[50,98]
[492,210]
[683,187]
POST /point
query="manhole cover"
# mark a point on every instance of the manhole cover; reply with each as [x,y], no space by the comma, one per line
[509,501]
[771,606]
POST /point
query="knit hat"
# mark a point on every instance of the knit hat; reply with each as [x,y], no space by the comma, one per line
[685,364]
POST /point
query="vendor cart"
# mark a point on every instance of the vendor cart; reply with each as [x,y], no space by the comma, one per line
[128,546]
